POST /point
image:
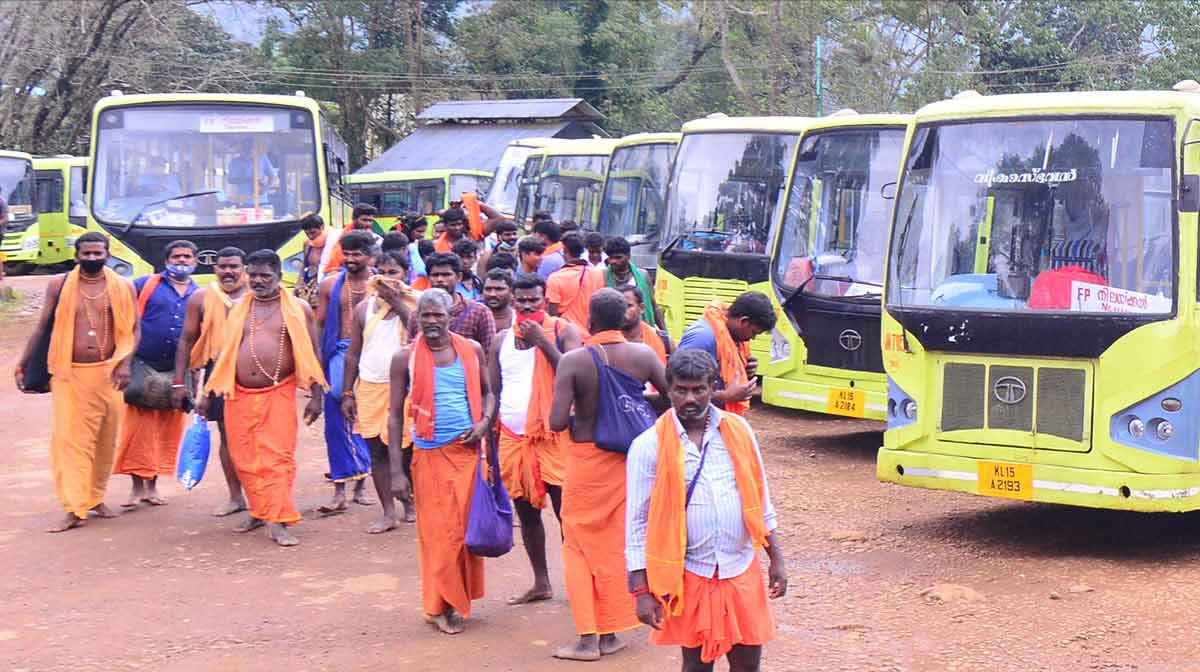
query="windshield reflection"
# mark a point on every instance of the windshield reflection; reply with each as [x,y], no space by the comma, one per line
[16,186]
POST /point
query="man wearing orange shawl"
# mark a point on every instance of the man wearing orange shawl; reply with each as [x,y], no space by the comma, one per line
[569,290]
[200,346]
[150,436]
[455,220]
[362,218]
[314,247]
[268,354]
[379,331]
[697,513]
[551,237]
[90,312]
[725,333]
[636,330]
[593,508]
[521,364]
[450,410]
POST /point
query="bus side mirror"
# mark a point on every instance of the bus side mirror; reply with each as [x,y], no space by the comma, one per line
[1189,194]
[888,191]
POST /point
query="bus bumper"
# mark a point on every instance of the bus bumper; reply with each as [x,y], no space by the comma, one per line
[815,394]
[20,246]
[1051,484]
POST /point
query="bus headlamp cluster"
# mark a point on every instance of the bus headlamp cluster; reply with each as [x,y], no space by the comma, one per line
[1162,429]
[120,267]
[909,409]
[30,244]
[294,263]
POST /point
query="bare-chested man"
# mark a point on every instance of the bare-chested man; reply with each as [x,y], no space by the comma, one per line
[200,344]
[340,294]
[269,356]
[94,333]
[593,508]
[497,296]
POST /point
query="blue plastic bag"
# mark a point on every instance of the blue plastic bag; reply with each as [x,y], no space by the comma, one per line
[193,453]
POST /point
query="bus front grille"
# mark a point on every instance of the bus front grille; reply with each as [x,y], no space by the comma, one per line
[1061,401]
[963,386]
[699,292]
[1010,404]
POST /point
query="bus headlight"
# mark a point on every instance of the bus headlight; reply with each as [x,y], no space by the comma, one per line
[909,407]
[1163,429]
[1137,428]
[30,244]
[120,267]
[294,263]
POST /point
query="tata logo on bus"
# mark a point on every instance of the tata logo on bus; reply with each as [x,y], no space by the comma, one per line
[1009,390]
[1034,176]
[850,340]
[206,257]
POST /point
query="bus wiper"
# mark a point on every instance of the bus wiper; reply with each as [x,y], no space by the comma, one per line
[837,278]
[133,220]
[676,239]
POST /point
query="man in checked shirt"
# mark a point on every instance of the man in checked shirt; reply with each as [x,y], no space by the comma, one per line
[694,569]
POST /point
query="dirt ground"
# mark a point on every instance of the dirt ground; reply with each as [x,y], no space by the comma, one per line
[882,577]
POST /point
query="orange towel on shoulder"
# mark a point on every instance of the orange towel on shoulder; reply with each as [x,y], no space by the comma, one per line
[666,523]
[442,480]
[261,425]
[421,407]
[212,329]
[731,355]
[62,338]
[308,368]
[593,524]
[442,243]
[720,614]
[654,340]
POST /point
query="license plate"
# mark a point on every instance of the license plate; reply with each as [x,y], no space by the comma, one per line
[1005,479]
[845,401]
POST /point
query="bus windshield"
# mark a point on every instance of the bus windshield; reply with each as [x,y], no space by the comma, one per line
[188,165]
[16,186]
[834,235]
[569,187]
[1071,214]
[635,193]
[527,188]
[393,199]
[725,190]
[461,183]
[506,183]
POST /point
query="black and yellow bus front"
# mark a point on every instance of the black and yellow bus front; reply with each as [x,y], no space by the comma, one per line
[1040,331]
[19,243]
[215,173]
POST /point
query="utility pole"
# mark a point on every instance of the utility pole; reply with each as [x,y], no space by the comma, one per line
[820,84]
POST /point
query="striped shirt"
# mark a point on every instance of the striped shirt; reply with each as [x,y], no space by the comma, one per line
[718,543]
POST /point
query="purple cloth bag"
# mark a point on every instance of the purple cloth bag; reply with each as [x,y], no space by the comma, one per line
[490,520]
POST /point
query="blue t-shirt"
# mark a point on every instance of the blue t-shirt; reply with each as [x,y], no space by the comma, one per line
[453,415]
[550,264]
[162,323]
[700,336]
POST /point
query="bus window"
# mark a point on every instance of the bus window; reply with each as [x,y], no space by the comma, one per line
[78,196]
[49,191]
[460,184]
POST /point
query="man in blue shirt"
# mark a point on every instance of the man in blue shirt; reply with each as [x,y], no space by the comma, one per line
[725,333]
[150,436]
[241,175]
[552,258]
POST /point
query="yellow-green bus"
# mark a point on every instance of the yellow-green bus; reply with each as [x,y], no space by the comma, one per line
[427,192]
[568,180]
[61,206]
[507,180]
[635,192]
[1040,328]
[723,201]
[215,169]
[17,187]
[827,270]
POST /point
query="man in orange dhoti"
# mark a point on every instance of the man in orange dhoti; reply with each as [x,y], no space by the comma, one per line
[697,512]
[725,333]
[199,346]
[450,412]
[150,436]
[90,312]
[593,509]
[268,354]
[532,457]
[379,331]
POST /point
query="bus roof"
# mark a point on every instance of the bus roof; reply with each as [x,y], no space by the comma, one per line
[585,147]
[299,101]
[747,124]
[533,143]
[409,175]
[649,139]
[58,162]
[13,154]
[854,119]
[972,105]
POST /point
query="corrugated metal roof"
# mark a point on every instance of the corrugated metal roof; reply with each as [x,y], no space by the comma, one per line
[528,108]
[477,146]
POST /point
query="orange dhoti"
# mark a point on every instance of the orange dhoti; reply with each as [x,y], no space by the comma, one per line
[149,442]
[527,465]
[372,401]
[593,523]
[261,428]
[442,480]
[87,411]
[719,614]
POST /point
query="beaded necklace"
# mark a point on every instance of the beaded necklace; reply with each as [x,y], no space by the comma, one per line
[255,323]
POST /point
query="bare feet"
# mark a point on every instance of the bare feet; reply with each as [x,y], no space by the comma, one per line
[154,500]
[68,522]
[132,502]
[335,505]
[251,523]
[280,535]
[101,510]
[381,525]
[535,594]
[231,507]
[136,494]
[609,644]
[410,512]
[449,622]
[360,494]
[586,649]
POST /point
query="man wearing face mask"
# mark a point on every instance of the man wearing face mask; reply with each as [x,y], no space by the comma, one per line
[150,436]
[506,243]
